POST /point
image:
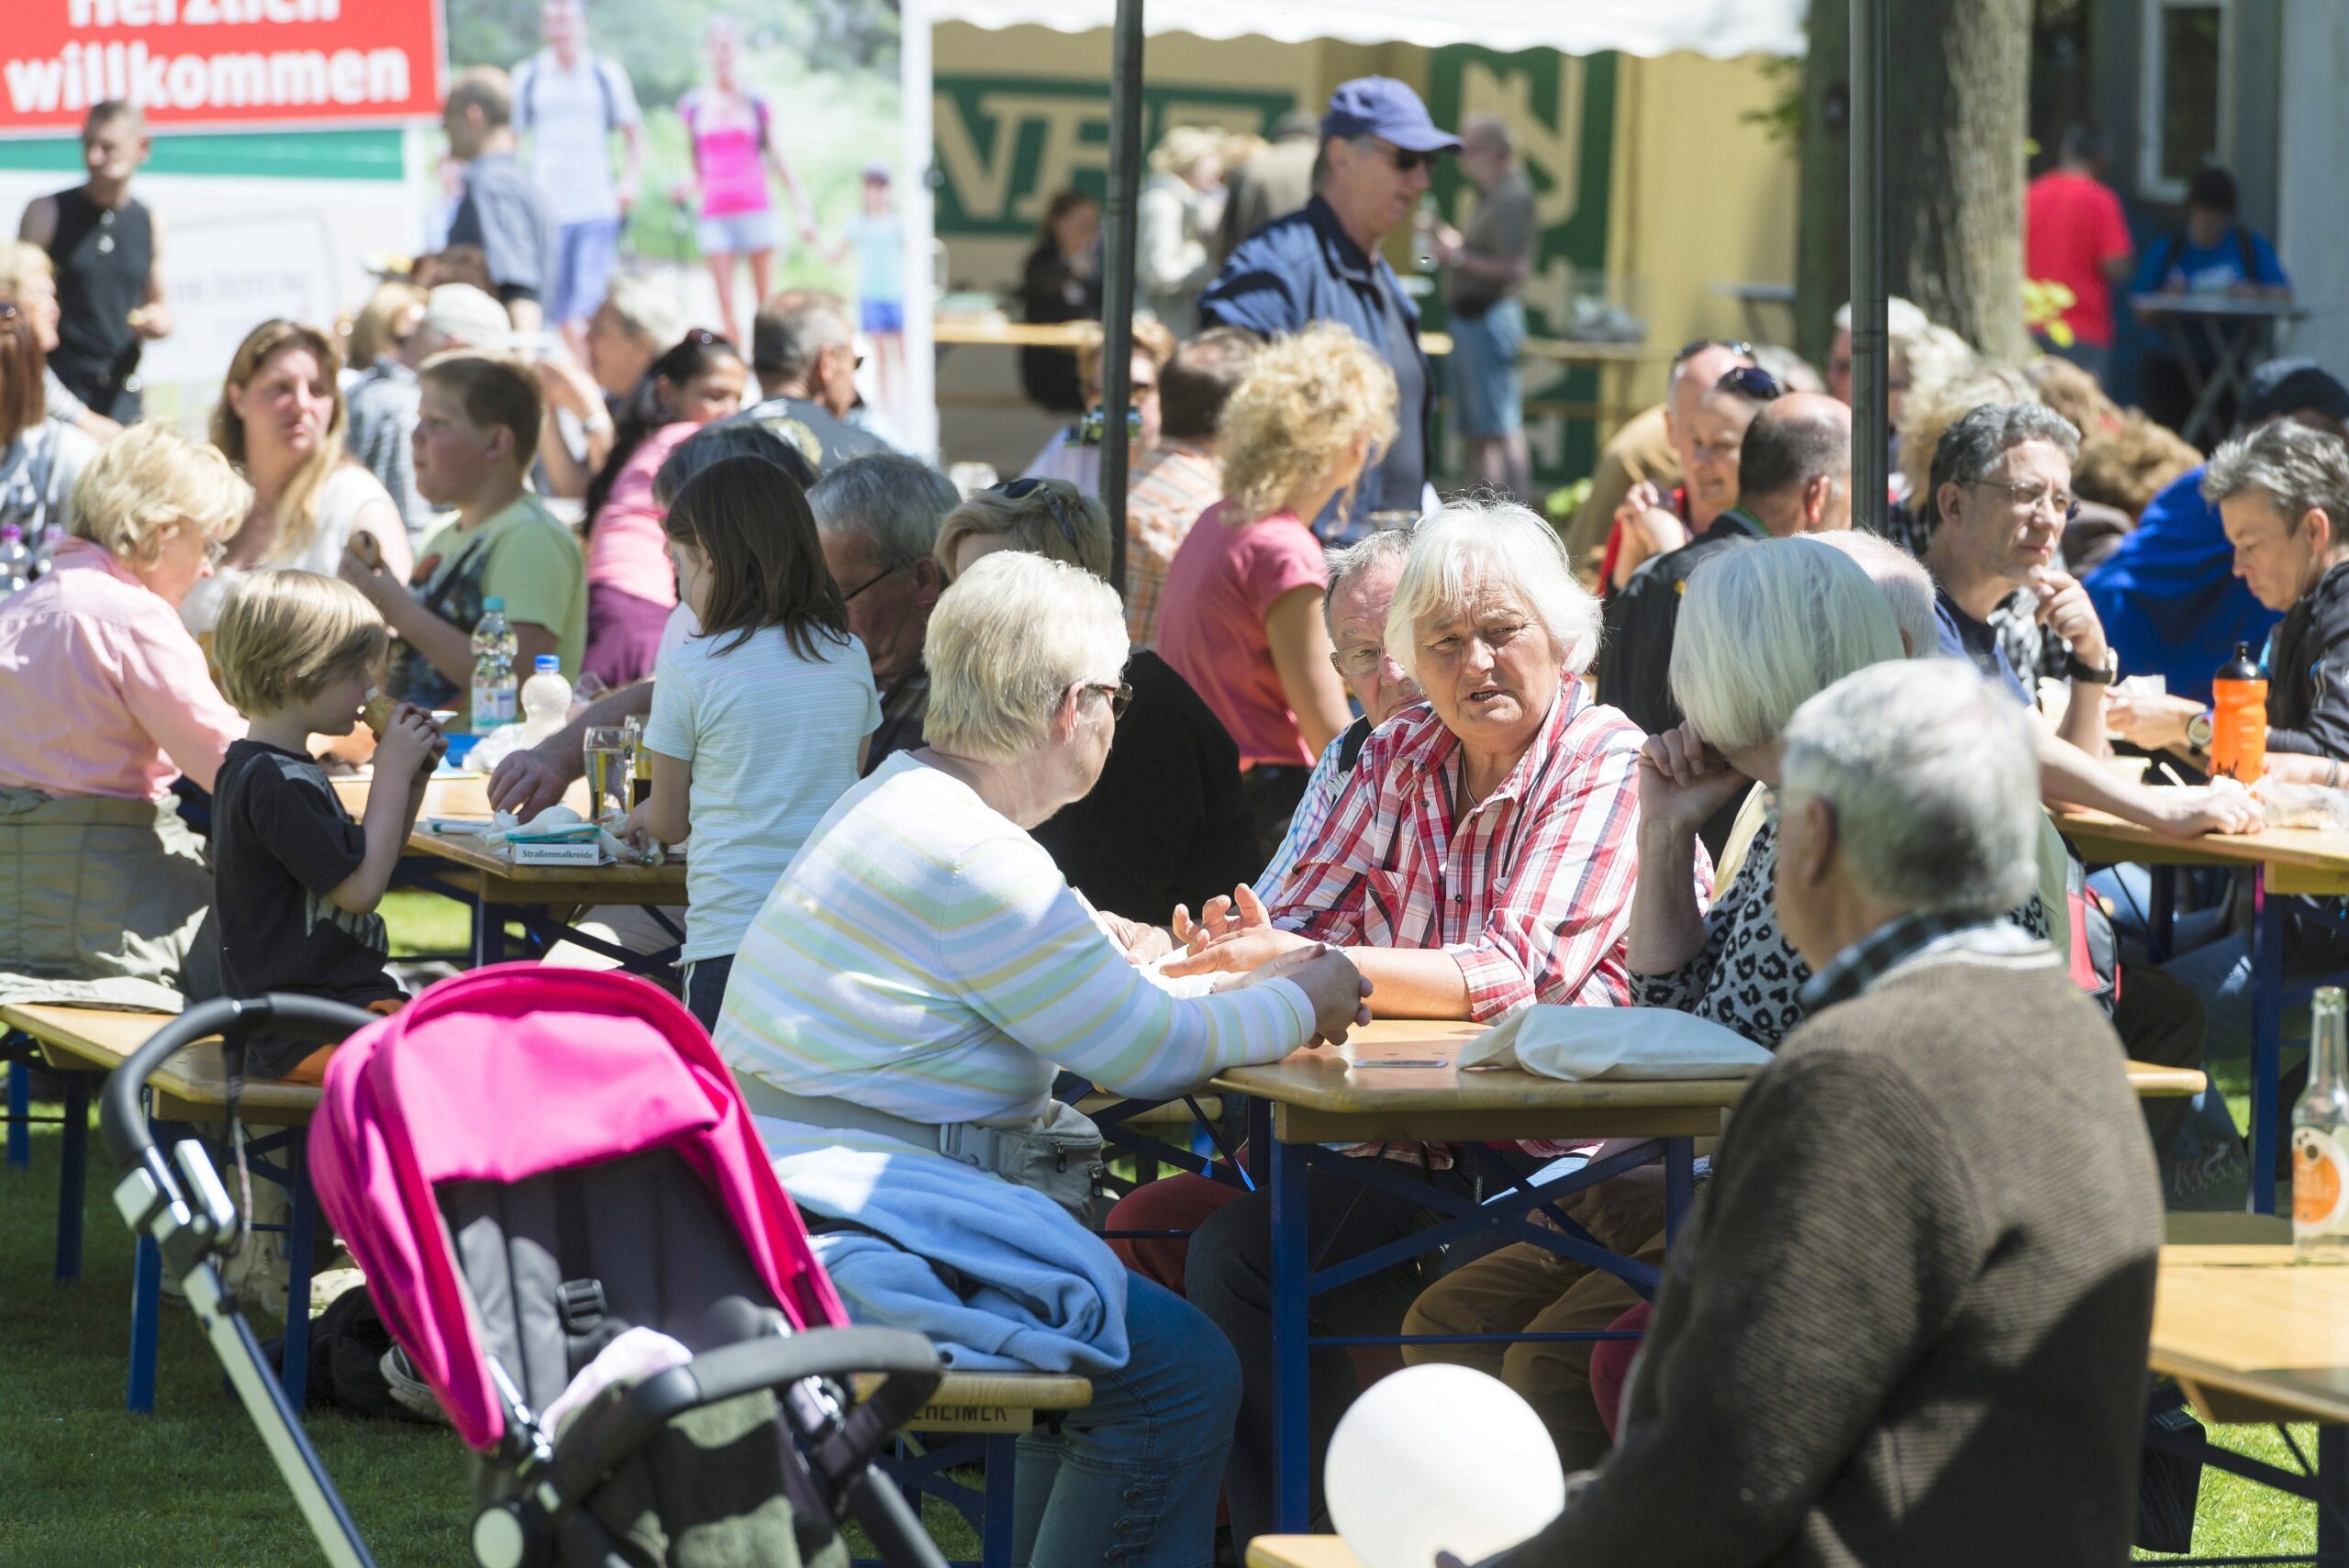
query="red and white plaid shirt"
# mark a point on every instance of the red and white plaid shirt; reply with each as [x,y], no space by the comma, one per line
[1172,483]
[1531,892]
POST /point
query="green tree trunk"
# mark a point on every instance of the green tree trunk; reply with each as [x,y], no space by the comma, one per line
[1822,233]
[1957,115]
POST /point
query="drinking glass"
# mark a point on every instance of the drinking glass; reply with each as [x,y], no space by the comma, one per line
[605,749]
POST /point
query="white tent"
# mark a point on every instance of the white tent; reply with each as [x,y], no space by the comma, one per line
[1722,28]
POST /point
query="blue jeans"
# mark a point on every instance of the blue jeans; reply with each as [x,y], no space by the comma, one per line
[1486,399]
[584,256]
[1132,1478]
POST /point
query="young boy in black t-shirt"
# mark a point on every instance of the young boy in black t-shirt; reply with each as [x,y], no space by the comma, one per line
[295,881]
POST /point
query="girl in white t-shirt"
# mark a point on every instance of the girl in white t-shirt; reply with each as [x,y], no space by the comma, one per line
[759,720]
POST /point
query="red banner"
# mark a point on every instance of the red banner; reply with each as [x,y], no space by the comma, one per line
[220,63]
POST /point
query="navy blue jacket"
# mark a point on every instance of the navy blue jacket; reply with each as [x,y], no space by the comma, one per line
[1301,268]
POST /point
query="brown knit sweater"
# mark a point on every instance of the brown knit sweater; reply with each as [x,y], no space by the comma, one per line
[1908,1323]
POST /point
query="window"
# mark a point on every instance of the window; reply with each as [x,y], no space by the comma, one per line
[2187,97]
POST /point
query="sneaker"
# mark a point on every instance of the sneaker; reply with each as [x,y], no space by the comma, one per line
[409,1391]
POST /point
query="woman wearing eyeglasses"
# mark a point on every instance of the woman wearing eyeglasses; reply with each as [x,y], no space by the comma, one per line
[896,1016]
[1166,822]
[108,703]
[1241,615]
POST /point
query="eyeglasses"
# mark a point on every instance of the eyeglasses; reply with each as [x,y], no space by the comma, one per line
[215,552]
[1750,381]
[1120,695]
[2032,497]
[1404,159]
[1359,664]
[1020,489]
[889,572]
[1690,351]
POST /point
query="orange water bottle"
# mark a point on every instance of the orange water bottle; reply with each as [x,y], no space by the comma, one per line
[2239,718]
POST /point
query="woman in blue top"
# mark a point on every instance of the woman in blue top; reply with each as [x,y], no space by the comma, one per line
[2212,254]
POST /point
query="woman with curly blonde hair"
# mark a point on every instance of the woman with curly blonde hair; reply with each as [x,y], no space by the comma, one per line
[1242,603]
[280,420]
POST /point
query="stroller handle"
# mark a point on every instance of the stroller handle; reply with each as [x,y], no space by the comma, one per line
[309,1017]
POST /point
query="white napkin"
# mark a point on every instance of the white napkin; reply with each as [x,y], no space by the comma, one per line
[1576,1043]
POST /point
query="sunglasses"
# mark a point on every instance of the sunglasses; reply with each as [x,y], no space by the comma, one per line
[1020,489]
[1406,160]
[1691,349]
[1750,381]
[1120,695]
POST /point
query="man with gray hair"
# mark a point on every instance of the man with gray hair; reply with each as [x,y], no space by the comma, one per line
[876,517]
[1484,270]
[1939,1176]
[803,350]
[2001,485]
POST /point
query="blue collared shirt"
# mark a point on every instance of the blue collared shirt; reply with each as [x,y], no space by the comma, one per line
[1304,268]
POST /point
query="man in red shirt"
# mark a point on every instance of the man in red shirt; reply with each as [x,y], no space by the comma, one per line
[2073,234]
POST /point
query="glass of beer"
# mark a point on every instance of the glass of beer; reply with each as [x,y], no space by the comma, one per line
[606,753]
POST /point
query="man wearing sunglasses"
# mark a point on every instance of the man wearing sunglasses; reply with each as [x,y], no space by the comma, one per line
[1322,263]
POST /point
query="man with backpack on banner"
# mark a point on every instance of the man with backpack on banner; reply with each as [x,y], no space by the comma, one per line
[568,100]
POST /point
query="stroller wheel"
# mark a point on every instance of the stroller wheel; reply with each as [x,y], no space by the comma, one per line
[499,1540]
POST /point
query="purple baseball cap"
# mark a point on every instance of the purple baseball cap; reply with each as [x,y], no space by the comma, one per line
[1382,106]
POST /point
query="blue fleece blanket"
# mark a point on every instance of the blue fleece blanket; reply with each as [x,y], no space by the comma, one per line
[1039,1292]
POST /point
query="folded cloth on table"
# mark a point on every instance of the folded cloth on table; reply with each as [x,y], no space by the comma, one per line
[1000,1277]
[1576,1043]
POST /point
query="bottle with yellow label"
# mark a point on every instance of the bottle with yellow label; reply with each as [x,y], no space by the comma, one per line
[2320,1139]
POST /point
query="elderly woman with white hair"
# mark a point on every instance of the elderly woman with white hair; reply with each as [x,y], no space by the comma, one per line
[1481,856]
[916,980]
[109,703]
[1176,216]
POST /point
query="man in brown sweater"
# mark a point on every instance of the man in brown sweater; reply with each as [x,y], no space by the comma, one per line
[1906,1323]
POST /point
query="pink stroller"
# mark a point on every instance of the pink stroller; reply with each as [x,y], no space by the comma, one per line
[526,1163]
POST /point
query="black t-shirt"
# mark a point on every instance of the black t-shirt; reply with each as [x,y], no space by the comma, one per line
[825,440]
[281,842]
[1166,822]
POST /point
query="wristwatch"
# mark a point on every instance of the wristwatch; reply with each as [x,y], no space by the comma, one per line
[2094,674]
[2197,731]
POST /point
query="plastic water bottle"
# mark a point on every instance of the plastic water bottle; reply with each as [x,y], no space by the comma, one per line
[16,560]
[2239,718]
[546,700]
[494,677]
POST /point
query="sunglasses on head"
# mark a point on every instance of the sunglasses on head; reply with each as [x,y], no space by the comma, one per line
[1020,489]
[1691,349]
[1750,381]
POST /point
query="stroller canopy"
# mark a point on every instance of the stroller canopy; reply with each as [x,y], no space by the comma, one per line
[510,1073]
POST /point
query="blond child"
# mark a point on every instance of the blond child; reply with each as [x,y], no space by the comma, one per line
[476,438]
[295,881]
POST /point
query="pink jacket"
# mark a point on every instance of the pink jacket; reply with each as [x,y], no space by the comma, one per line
[105,691]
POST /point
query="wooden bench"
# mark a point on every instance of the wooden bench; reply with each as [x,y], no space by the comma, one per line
[86,1043]
[981,1415]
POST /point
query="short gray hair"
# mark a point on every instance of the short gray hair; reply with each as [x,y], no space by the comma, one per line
[648,309]
[1007,639]
[1975,442]
[1933,780]
[1764,627]
[2297,469]
[1902,578]
[892,502]
[794,328]
[1467,542]
[1386,547]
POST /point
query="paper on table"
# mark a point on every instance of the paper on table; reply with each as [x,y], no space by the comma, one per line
[1578,1043]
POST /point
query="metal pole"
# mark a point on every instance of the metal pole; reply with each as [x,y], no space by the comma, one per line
[1118,274]
[1871,416]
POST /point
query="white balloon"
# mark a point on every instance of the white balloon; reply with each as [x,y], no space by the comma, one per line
[1440,1458]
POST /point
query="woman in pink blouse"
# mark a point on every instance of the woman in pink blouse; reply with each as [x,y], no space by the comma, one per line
[1240,612]
[631,586]
[734,146]
[108,702]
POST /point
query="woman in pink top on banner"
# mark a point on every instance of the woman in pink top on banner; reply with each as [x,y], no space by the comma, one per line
[1241,611]
[108,703]
[734,146]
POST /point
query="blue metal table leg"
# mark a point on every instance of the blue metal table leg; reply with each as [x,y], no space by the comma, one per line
[2267,1037]
[1291,1325]
[2162,913]
[146,1305]
[300,1226]
[20,1106]
[996,1528]
[2332,1494]
[1680,1184]
[73,1176]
